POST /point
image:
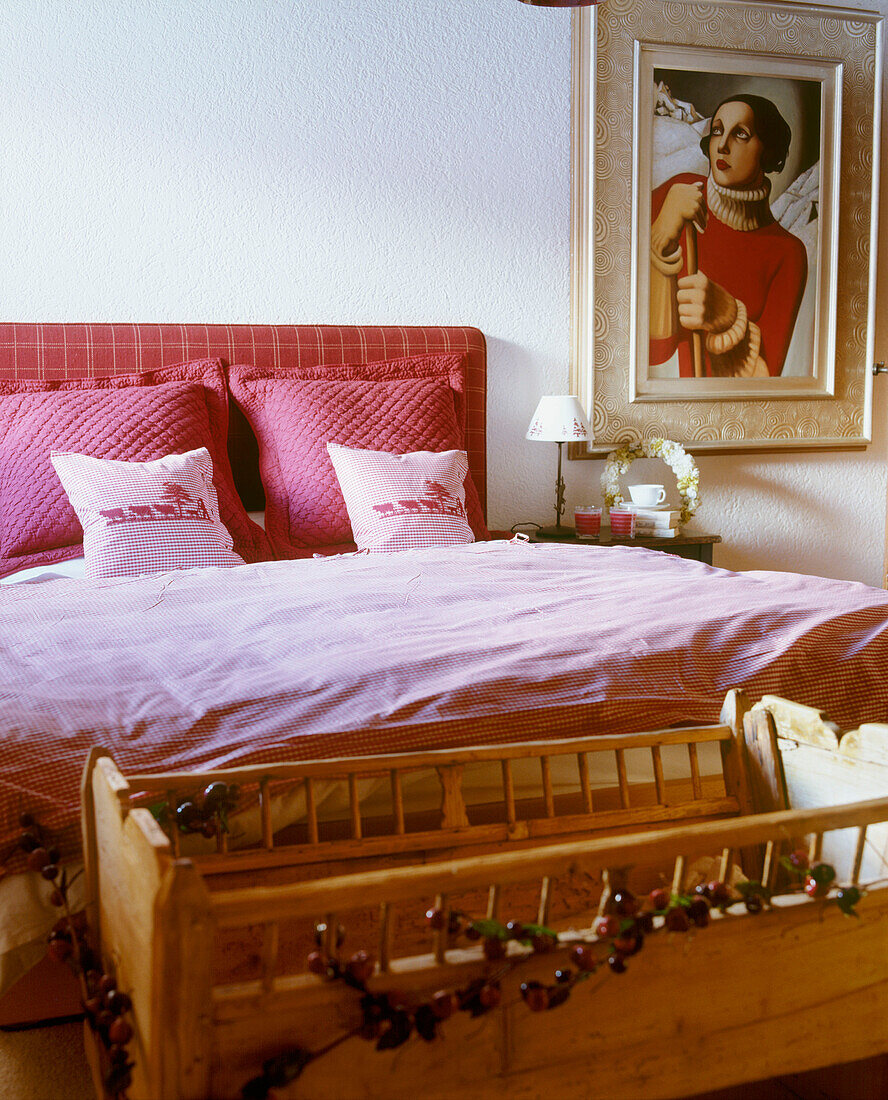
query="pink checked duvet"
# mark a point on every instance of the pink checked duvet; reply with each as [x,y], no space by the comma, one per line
[428,648]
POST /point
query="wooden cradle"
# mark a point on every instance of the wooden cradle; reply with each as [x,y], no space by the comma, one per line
[798,986]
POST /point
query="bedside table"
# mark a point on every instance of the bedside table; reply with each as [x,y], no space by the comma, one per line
[697,547]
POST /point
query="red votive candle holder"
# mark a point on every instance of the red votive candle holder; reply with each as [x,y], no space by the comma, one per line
[587,521]
[622,524]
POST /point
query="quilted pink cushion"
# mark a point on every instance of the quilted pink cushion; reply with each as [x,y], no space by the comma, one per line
[381,406]
[128,417]
[403,502]
[146,517]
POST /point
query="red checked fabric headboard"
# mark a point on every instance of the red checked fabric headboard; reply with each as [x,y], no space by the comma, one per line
[49,351]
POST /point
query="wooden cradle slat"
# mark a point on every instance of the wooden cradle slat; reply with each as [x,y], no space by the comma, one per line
[238,907]
[416,761]
[494,835]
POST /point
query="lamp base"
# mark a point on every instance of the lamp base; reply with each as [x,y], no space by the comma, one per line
[555,533]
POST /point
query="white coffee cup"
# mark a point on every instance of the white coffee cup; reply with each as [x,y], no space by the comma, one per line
[647,495]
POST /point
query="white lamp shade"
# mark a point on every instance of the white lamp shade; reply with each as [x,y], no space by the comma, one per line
[558,420]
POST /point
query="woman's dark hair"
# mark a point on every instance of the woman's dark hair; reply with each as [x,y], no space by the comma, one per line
[770,126]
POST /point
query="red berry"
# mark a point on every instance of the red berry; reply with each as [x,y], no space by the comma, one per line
[659,898]
[60,949]
[644,922]
[628,944]
[360,967]
[316,963]
[208,829]
[215,797]
[120,1032]
[625,903]
[472,933]
[616,963]
[515,929]
[50,871]
[188,815]
[815,889]
[437,919]
[444,1004]
[719,893]
[607,927]
[107,983]
[38,859]
[490,995]
[104,1019]
[754,903]
[117,1002]
[29,842]
[698,911]
[494,948]
[582,957]
[93,1005]
[54,855]
[677,919]
[536,996]
[799,859]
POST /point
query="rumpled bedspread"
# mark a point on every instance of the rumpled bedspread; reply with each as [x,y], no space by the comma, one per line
[425,649]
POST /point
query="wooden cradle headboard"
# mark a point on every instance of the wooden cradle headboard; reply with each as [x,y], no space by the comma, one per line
[58,351]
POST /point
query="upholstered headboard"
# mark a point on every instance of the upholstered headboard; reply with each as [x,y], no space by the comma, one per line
[50,351]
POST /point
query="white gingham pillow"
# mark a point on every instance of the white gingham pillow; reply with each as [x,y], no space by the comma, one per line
[403,502]
[146,517]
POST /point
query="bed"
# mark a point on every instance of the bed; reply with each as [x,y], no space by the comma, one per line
[294,656]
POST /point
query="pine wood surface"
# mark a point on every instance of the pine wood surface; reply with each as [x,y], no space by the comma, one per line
[689,1013]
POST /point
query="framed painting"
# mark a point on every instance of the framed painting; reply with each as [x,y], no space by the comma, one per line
[724,224]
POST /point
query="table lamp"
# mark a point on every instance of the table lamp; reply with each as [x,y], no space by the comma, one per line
[558,420]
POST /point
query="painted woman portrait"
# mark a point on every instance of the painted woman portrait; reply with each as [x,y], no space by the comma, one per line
[726,279]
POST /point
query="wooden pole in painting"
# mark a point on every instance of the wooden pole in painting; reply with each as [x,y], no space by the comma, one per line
[696,335]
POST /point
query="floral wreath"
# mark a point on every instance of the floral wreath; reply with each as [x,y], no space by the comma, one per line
[673,454]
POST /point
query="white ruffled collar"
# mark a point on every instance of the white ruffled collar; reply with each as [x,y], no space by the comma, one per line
[741,210]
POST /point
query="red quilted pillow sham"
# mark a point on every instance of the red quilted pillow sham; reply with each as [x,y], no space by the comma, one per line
[378,406]
[127,417]
[146,517]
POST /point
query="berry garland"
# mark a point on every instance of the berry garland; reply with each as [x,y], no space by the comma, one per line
[106,1006]
[206,814]
[389,1019]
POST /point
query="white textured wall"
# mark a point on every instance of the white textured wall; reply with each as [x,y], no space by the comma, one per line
[376,161]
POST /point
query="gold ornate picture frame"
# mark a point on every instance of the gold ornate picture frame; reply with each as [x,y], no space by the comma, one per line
[638,68]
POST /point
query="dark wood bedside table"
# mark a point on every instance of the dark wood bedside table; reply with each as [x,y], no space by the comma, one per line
[697,547]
